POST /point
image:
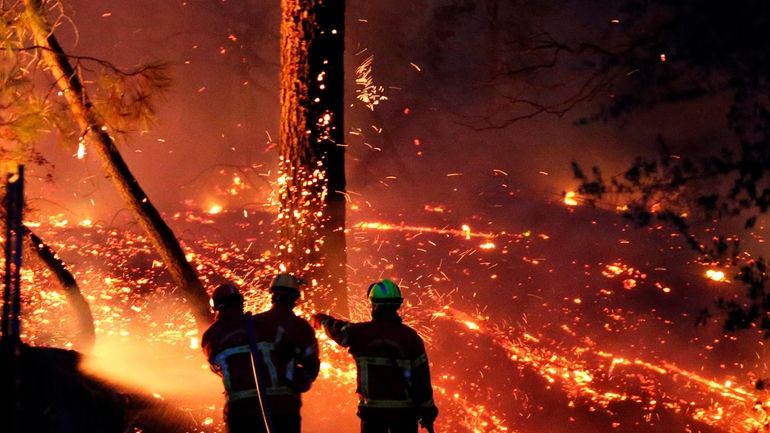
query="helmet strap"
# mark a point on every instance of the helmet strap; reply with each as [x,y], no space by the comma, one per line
[386,311]
[284,297]
[234,305]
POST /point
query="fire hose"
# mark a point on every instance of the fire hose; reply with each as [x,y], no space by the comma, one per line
[254,351]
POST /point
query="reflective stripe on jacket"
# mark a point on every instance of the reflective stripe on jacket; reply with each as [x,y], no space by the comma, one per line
[286,359]
[391,363]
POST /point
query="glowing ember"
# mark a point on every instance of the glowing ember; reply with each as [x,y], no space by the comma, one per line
[715,275]
[81,149]
[487,246]
[466,231]
[471,325]
[368,92]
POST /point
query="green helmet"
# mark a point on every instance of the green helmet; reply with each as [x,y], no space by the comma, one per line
[385,292]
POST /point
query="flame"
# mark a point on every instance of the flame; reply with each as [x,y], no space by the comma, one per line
[569,198]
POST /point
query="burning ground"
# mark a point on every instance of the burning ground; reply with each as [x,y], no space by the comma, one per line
[572,323]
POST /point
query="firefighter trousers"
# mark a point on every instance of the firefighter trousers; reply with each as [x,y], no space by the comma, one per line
[280,423]
[388,423]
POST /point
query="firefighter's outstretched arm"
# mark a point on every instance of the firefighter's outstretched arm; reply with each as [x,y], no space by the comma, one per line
[334,328]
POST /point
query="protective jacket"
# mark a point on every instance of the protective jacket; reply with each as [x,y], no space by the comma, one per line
[287,358]
[392,366]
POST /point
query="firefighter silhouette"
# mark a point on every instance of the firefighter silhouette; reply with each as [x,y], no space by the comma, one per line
[266,360]
[393,378]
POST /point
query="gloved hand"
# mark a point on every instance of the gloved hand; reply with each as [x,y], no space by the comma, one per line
[300,381]
[427,416]
[318,318]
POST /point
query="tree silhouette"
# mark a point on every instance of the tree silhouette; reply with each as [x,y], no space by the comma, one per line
[88,118]
[674,51]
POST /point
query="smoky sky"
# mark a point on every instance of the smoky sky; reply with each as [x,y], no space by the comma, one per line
[438,62]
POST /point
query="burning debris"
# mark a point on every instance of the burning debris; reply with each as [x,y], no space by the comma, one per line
[498,361]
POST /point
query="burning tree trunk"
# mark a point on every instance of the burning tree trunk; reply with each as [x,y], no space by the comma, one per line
[84,340]
[312,154]
[93,129]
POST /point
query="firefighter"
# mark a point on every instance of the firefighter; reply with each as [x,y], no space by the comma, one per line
[276,347]
[393,379]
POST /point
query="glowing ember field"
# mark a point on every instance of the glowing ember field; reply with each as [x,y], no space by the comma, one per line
[566,326]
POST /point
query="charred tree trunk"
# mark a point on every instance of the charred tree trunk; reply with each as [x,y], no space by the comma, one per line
[117,170]
[312,152]
[85,337]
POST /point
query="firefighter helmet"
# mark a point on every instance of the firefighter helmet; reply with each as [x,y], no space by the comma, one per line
[225,294]
[385,292]
[286,283]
